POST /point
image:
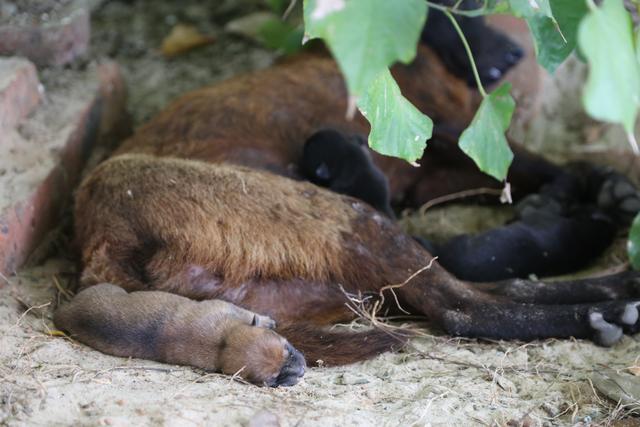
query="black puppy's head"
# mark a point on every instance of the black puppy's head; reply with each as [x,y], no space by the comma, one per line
[324,156]
[343,164]
[494,52]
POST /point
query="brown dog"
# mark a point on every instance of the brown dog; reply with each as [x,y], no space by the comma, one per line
[199,203]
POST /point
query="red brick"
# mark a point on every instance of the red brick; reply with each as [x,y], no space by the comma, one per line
[36,199]
[48,43]
[19,91]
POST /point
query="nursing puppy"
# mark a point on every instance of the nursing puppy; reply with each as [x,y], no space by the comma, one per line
[344,165]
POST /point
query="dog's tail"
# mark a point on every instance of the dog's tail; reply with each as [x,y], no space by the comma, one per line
[326,347]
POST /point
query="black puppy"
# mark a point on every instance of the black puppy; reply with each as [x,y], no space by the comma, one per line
[494,53]
[343,164]
[562,228]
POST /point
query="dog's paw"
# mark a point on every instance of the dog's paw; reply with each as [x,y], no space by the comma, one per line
[263,322]
[609,327]
[496,63]
[534,204]
[619,197]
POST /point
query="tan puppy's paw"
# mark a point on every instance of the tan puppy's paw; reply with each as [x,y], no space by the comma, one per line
[263,322]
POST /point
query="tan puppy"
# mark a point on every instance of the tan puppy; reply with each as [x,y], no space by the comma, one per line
[214,334]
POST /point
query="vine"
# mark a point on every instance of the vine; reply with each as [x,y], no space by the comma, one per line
[467,48]
[350,28]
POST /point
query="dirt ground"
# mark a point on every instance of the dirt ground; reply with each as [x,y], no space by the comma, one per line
[437,380]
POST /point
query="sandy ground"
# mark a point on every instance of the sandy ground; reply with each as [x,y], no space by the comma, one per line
[49,380]
[437,380]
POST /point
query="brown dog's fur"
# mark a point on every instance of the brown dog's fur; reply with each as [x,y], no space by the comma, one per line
[199,203]
[135,214]
[261,120]
[190,228]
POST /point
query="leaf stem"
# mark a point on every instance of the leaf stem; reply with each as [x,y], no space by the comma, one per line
[468,49]
[469,13]
[287,12]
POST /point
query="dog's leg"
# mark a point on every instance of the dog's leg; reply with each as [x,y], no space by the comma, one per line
[463,308]
[603,322]
[621,286]
[446,170]
[494,53]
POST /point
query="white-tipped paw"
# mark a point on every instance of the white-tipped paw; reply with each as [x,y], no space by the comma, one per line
[608,333]
[630,314]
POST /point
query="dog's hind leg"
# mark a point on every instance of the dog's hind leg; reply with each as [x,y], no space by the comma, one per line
[463,308]
[620,286]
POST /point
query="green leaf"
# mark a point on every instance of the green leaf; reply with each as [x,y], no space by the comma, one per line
[612,91]
[277,34]
[495,7]
[529,8]
[397,127]
[555,40]
[638,45]
[633,245]
[277,6]
[484,139]
[366,36]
